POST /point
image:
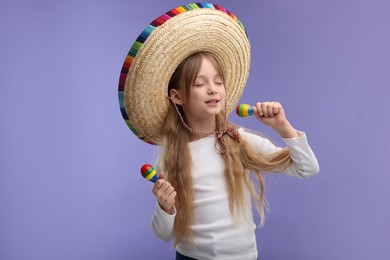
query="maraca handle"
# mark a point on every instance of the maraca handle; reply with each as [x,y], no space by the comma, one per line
[149,173]
[244,110]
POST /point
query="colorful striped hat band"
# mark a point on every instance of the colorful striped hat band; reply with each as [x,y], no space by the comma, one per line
[163,45]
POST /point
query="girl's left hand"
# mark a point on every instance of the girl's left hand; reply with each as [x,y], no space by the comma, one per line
[272,114]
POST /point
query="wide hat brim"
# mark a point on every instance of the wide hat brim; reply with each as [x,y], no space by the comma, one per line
[163,45]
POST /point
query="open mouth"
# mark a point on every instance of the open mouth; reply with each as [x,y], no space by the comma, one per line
[212,101]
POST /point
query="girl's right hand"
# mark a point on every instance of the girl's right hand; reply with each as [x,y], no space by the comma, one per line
[164,193]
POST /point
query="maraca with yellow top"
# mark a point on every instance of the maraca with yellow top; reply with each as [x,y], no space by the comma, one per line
[149,173]
[244,110]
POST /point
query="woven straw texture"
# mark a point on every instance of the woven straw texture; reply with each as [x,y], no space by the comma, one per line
[145,88]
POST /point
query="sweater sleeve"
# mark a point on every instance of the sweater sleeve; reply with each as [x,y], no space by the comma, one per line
[162,223]
[304,161]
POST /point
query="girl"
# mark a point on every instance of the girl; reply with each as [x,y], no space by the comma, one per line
[181,78]
[204,200]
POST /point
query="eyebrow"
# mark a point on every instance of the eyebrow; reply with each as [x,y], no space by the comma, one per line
[204,76]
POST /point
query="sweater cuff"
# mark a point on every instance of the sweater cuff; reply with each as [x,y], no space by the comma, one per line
[163,214]
[294,140]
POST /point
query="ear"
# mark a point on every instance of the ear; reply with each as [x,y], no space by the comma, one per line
[175,97]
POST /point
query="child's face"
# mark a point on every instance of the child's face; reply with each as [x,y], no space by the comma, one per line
[207,94]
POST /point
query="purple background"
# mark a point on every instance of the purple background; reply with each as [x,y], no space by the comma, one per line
[70,186]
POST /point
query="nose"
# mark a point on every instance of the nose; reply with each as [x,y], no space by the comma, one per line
[212,89]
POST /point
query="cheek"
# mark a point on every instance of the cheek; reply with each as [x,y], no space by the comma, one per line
[196,93]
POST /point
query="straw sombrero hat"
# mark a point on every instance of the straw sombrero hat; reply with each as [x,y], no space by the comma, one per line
[163,45]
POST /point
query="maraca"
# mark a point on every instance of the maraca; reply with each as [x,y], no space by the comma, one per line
[244,110]
[149,173]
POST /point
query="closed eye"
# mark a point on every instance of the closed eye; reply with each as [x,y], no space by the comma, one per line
[199,83]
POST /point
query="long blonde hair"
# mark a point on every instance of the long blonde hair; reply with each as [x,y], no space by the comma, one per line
[239,157]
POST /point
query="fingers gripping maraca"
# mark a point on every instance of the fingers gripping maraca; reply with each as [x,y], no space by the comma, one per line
[271,114]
